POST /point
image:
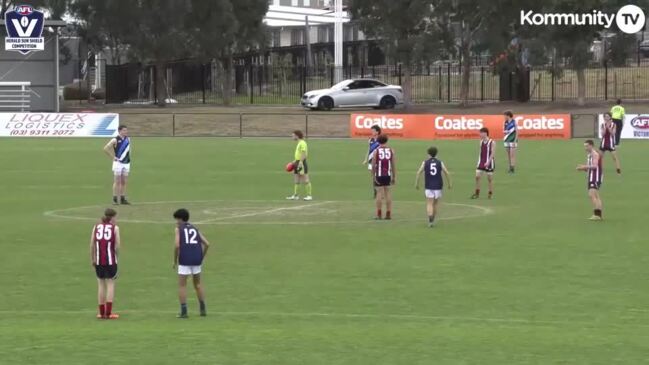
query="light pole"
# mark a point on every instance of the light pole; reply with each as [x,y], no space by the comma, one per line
[338,40]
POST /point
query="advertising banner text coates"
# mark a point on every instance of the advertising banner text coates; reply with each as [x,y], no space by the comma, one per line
[442,126]
[58,124]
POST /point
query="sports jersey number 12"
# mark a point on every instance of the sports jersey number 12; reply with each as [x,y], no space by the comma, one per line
[190,236]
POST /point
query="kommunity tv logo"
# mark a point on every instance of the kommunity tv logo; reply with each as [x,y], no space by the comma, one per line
[629,19]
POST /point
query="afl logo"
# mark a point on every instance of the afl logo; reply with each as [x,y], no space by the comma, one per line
[24,29]
[640,122]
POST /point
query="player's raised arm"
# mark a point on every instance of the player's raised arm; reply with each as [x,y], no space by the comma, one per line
[176,246]
[205,243]
[109,148]
[93,249]
[419,172]
[447,176]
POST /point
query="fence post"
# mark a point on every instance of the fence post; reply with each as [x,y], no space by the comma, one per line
[439,82]
[448,82]
[331,74]
[203,80]
[362,72]
[250,85]
[399,70]
[605,80]
[155,83]
[482,83]
[552,86]
[306,124]
[240,125]
[173,124]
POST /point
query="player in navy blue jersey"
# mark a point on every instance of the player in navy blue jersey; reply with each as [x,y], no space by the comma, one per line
[190,250]
[119,150]
[432,168]
[373,144]
[510,139]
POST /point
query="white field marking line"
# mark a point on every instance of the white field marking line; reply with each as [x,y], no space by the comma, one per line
[263,212]
[57,213]
[593,323]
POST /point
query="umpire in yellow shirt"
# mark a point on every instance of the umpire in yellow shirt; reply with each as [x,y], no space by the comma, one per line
[617,114]
[301,168]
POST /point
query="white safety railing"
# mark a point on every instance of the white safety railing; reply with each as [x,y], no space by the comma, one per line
[15,96]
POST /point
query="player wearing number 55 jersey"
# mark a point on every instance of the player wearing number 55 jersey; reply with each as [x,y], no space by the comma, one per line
[486,162]
[433,169]
[190,250]
[385,175]
[119,150]
[104,246]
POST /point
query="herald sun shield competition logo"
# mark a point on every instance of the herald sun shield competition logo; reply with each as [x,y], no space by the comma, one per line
[24,29]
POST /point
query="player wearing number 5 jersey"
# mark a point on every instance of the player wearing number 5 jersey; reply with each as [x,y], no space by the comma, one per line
[190,250]
[385,175]
[433,169]
[104,247]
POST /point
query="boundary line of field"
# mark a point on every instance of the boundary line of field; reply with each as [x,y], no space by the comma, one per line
[395,316]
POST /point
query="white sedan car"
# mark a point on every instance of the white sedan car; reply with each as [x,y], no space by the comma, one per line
[354,93]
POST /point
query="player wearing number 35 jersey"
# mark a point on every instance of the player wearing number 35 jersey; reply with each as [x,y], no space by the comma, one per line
[104,247]
[433,169]
[190,250]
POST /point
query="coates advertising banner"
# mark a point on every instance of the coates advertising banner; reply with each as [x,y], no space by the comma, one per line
[441,126]
[58,125]
[636,126]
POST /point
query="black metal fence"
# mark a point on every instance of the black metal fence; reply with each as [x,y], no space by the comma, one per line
[195,83]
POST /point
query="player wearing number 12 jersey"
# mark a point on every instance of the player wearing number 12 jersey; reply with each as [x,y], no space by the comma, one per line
[385,175]
[190,250]
[104,247]
[433,169]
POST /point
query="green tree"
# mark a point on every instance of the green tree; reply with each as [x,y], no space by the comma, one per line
[159,36]
[411,30]
[222,28]
[104,24]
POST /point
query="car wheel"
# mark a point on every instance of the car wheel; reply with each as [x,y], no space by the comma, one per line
[387,102]
[326,103]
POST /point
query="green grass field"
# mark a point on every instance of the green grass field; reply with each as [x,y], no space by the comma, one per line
[521,279]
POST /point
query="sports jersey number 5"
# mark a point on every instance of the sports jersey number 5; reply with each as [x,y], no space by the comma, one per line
[190,236]
[384,154]
[433,169]
[103,232]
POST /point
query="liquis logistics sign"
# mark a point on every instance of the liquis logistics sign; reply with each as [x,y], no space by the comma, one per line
[24,29]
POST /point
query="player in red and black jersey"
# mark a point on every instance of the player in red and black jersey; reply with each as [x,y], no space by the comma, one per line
[593,168]
[104,247]
[608,131]
[385,174]
[486,163]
